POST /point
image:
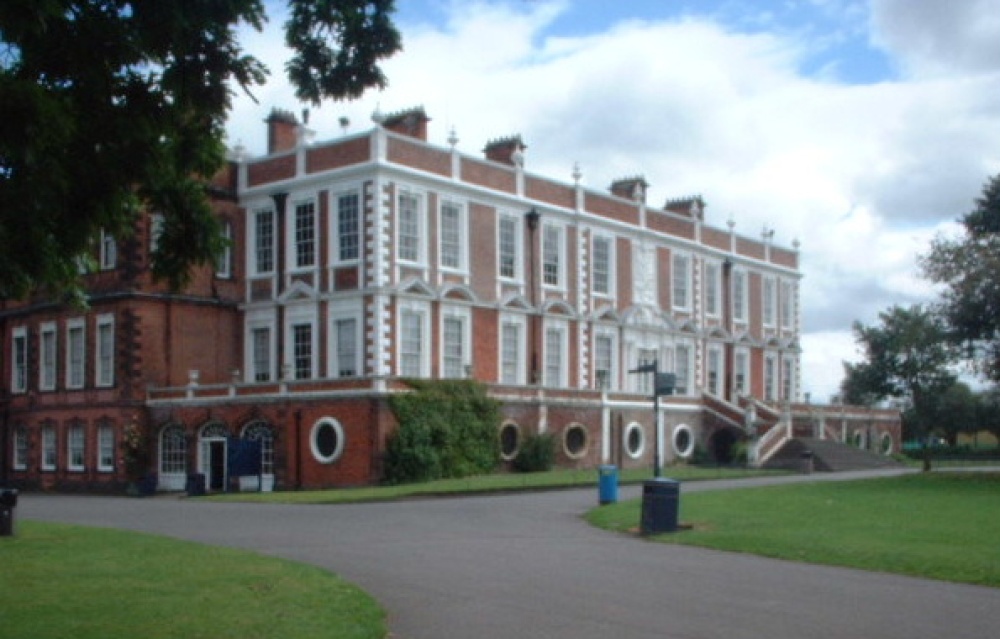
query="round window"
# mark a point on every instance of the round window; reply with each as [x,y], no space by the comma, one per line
[510,440]
[575,441]
[634,439]
[683,441]
[886,444]
[327,440]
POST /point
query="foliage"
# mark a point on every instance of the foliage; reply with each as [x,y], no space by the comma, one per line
[907,356]
[447,428]
[136,448]
[537,453]
[92,583]
[112,106]
[967,269]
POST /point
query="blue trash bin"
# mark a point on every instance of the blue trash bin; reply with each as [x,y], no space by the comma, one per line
[660,502]
[607,484]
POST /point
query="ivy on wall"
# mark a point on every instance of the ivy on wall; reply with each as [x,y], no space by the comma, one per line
[447,428]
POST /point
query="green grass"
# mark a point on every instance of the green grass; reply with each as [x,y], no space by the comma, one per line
[939,525]
[500,482]
[71,581]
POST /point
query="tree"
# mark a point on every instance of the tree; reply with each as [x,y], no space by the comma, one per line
[907,356]
[110,106]
[967,267]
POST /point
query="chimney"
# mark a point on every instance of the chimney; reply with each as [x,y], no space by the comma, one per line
[693,207]
[631,188]
[411,123]
[508,150]
[281,131]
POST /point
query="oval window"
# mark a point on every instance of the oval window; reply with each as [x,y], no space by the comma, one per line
[683,441]
[886,444]
[575,441]
[510,441]
[634,439]
[327,440]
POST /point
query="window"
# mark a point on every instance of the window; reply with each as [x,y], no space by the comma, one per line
[555,356]
[302,351]
[305,234]
[409,246]
[682,369]
[786,305]
[510,353]
[348,226]
[787,375]
[601,265]
[156,223]
[19,368]
[260,432]
[769,301]
[327,440]
[264,242]
[741,372]
[20,461]
[105,447]
[411,343]
[49,452]
[260,339]
[105,350]
[714,371]
[47,356]
[224,260]
[769,378]
[452,236]
[507,235]
[576,440]
[346,336]
[739,295]
[713,283]
[552,255]
[74,447]
[634,440]
[681,281]
[453,332]
[604,360]
[76,353]
[173,450]
[644,381]
[109,251]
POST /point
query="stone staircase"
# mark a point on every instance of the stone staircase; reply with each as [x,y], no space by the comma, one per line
[827,456]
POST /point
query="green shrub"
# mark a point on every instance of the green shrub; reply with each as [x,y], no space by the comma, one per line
[447,428]
[536,454]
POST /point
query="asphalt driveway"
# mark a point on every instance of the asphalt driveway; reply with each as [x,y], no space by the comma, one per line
[526,565]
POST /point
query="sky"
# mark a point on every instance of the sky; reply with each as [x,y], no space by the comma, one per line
[862,129]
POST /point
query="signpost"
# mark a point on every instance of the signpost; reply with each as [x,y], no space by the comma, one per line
[663,384]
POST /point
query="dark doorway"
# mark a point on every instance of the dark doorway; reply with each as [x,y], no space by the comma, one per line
[217,464]
[723,444]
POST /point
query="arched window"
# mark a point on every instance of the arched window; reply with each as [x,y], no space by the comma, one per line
[259,431]
[173,457]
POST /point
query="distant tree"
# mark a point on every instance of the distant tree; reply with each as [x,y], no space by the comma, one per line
[988,411]
[110,106]
[968,269]
[956,411]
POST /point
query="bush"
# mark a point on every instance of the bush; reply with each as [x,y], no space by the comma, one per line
[537,454]
[446,429]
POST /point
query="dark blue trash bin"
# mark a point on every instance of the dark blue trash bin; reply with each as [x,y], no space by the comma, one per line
[607,484]
[8,502]
[660,502]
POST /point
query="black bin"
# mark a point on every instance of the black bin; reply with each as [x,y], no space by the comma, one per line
[195,485]
[660,502]
[8,502]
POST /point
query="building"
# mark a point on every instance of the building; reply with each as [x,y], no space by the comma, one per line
[363,260]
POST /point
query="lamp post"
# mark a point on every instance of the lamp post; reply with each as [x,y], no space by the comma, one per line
[663,384]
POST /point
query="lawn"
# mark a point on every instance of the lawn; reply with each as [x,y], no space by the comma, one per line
[71,581]
[936,525]
[500,482]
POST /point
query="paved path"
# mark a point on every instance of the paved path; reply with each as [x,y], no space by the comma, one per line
[525,566]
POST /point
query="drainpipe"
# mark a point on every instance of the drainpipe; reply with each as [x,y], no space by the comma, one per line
[298,449]
[280,200]
[531,218]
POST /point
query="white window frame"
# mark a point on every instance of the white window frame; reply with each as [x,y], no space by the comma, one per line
[516,247]
[50,448]
[680,281]
[257,322]
[461,241]
[339,248]
[713,288]
[20,448]
[463,317]
[260,250]
[610,334]
[224,260]
[419,236]
[338,315]
[741,294]
[76,447]
[768,291]
[770,377]
[291,351]
[420,310]
[609,274]
[683,368]
[172,459]
[644,353]
[48,356]
[518,324]
[105,447]
[787,378]
[109,251]
[76,353]
[555,333]
[786,303]
[104,362]
[19,360]
[715,358]
[553,265]
[741,368]
[299,259]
